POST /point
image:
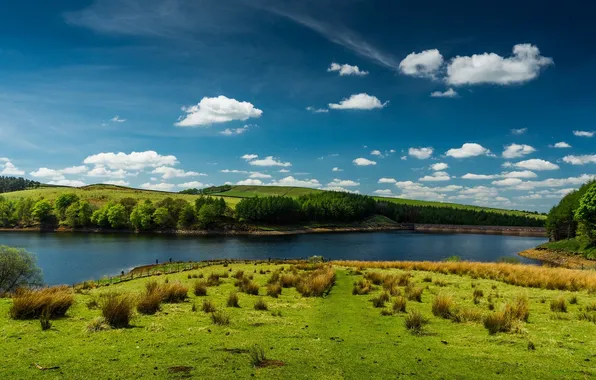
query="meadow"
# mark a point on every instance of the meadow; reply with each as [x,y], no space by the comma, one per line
[328,321]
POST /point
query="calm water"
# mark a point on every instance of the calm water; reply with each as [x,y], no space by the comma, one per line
[70,258]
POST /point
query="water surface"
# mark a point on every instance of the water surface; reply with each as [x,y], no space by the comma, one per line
[68,258]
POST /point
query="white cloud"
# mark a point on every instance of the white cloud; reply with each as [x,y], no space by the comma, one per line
[517,150]
[117,119]
[100,171]
[8,168]
[269,161]
[583,133]
[556,182]
[450,93]
[524,65]
[520,174]
[436,176]
[383,192]
[168,172]
[580,160]
[250,182]
[508,182]
[249,157]
[55,175]
[132,161]
[259,175]
[403,158]
[421,153]
[363,162]
[439,166]
[343,183]
[339,188]
[234,131]
[116,183]
[284,171]
[479,176]
[337,170]
[519,131]
[233,171]
[536,164]
[358,102]
[291,181]
[67,182]
[158,186]
[507,164]
[376,153]
[75,170]
[386,180]
[423,64]
[217,110]
[346,69]
[468,150]
[316,110]
[192,185]
[561,144]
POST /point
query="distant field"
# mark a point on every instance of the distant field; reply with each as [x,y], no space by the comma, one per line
[101,194]
[253,191]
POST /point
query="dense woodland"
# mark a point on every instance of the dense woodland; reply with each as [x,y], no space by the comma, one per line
[575,216]
[8,184]
[207,190]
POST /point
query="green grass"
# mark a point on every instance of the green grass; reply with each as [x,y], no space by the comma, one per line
[100,194]
[570,246]
[340,336]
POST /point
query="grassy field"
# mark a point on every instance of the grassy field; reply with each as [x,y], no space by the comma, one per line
[101,194]
[570,246]
[334,337]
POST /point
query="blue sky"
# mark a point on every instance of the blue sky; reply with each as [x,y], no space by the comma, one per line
[467,103]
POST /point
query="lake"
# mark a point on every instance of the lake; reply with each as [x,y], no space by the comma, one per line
[68,258]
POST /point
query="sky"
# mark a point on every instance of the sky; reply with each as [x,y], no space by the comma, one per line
[463,102]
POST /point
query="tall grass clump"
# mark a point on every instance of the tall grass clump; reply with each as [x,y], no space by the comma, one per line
[288,280]
[173,293]
[149,303]
[250,287]
[31,304]
[257,356]
[497,322]
[399,304]
[213,279]
[415,322]
[519,309]
[442,306]
[117,309]
[274,290]
[233,300]
[200,288]
[208,306]
[261,305]
[513,313]
[414,293]
[316,283]
[558,305]
[220,318]
[361,287]
[97,324]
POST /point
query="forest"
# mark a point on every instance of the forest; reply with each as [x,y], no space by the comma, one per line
[8,184]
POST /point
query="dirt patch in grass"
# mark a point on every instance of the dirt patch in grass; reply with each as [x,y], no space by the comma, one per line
[180,369]
[270,363]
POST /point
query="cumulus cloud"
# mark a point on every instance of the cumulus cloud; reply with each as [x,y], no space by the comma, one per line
[234,131]
[376,153]
[336,169]
[250,182]
[439,166]
[8,168]
[316,110]
[468,150]
[358,102]
[520,174]
[100,171]
[339,188]
[168,172]
[291,181]
[561,144]
[421,153]
[556,182]
[583,133]
[284,171]
[132,161]
[233,171]
[55,175]
[269,161]
[363,162]
[116,182]
[524,65]
[386,180]
[191,185]
[67,182]
[346,69]
[259,175]
[479,176]
[383,192]
[75,170]
[536,164]
[249,157]
[436,176]
[519,131]
[517,150]
[508,182]
[217,110]
[158,186]
[580,160]
[450,93]
[343,183]
[423,64]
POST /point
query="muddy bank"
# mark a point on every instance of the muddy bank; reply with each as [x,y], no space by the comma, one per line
[559,258]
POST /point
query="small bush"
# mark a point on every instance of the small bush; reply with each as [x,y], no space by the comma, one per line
[257,356]
[208,306]
[150,303]
[97,324]
[220,318]
[233,300]
[414,293]
[497,322]
[30,304]
[274,290]
[399,304]
[200,288]
[117,309]
[415,322]
[442,305]
[261,305]
[558,305]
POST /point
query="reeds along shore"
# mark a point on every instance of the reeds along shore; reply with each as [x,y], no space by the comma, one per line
[514,274]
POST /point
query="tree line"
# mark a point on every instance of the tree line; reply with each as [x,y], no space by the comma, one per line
[207,190]
[8,184]
[575,216]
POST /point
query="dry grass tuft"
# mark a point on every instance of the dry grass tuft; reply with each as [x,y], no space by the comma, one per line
[220,318]
[208,306]
[317,283]
[97,324]
[361,287]
[399,304]
[117,309]
[200,288]
[558,305]
[233,300]
[31,304]
[414,293]
[496,322]
[415,322]
[150,303]
[442,306]
[274,290]
[261,305]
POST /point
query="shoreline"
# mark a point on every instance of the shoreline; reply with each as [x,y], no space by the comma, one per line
[425,228]
[559,258]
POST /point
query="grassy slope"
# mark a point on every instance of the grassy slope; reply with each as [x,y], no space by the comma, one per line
[252,191]
[571,246]
[341,336]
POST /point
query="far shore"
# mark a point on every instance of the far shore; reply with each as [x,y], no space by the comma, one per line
[280,231]
[559,258]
